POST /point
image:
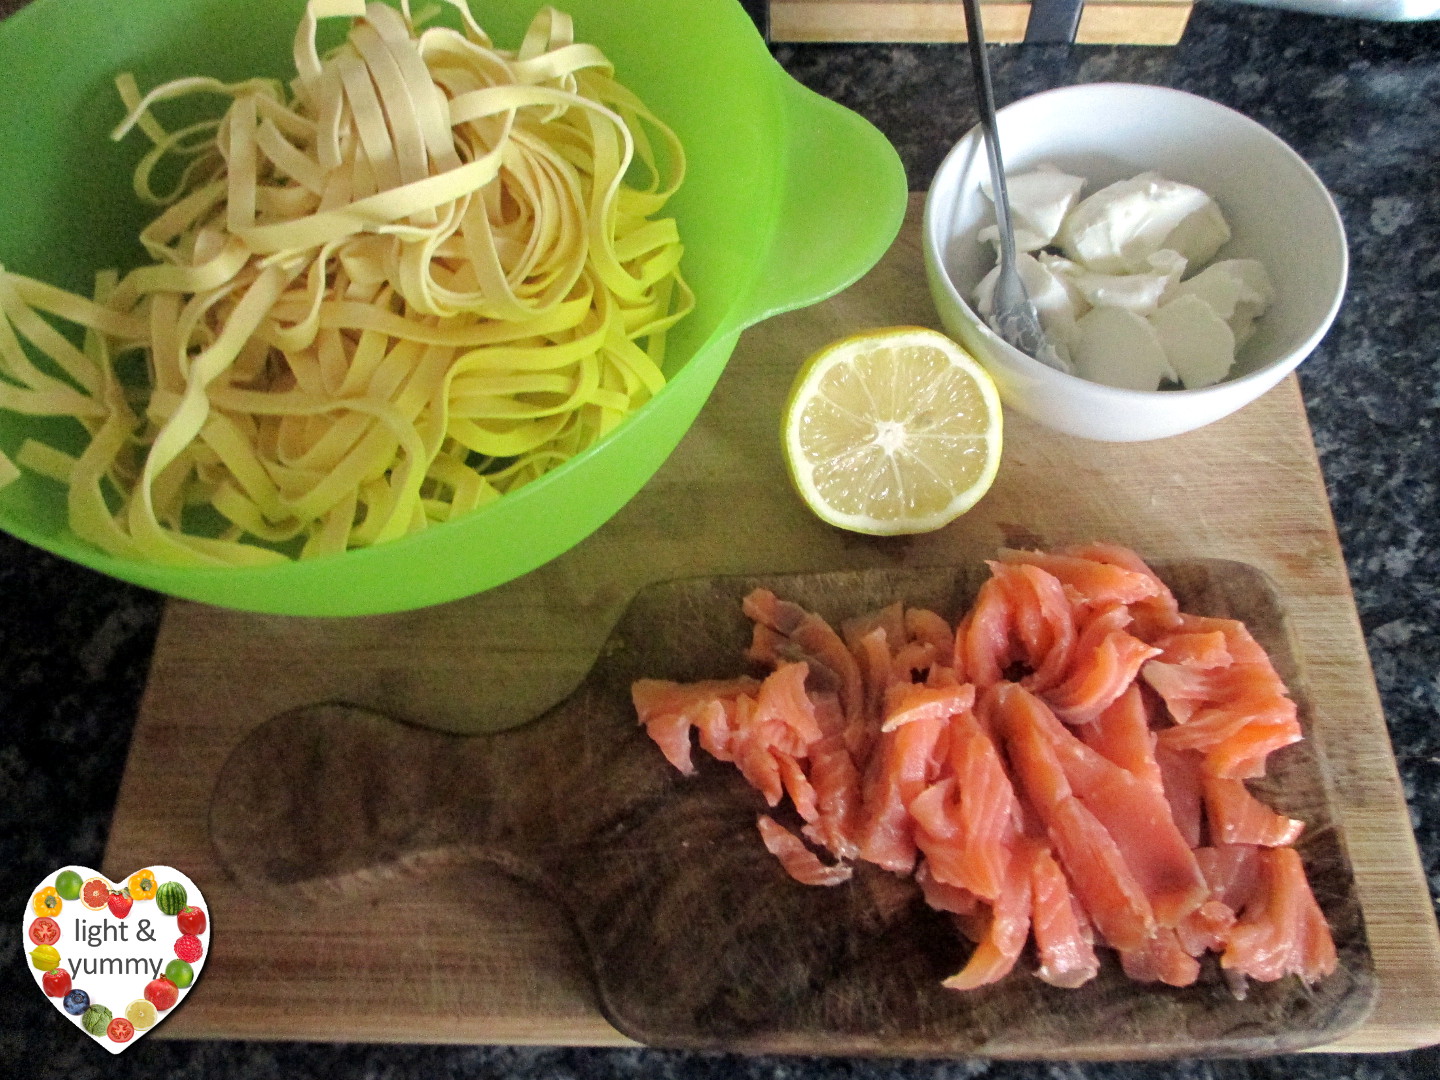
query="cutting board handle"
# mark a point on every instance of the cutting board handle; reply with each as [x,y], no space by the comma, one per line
[334,796]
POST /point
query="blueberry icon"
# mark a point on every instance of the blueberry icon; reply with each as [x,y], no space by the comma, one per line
[76,1002]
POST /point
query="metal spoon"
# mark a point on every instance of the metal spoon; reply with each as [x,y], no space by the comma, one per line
[1013,316]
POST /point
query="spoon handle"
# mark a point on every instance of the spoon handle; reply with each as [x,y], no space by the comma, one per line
[1014,316]
[975,34]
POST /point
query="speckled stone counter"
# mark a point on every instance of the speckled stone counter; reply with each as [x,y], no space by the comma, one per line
[1361,102]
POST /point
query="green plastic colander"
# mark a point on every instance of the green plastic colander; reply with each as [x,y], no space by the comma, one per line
[789,198]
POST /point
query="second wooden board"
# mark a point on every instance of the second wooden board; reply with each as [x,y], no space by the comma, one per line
[1101,22]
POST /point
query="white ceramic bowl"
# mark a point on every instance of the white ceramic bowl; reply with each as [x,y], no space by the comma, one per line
[1277,208]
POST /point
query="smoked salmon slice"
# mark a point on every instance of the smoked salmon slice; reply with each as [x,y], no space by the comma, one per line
[1239,642]
[1235,816]
[937,835]
[1136,816]
[1042,622]
[1185,689]
[1161,959]
[931,629]
[1237,742]
[890,618]
[1067,953]
[799,862]
[1206,929]
[797,785]
[1154,614]
[987,810]
[982,640]
[836,783]
[670,709]
[1098,584]
[1194,649]
[1005,935]
[1180,777]
[951,898]
[877,671]
[966,822]
[1105,884]
[1021,616]
[813,640]
[1099,676]
[1238,713]
[782,700]
[1233,873]
[1282,930]
[898,771]
[1243,755]
[907,702]
[1122,734]
[756,756]
[1212,726]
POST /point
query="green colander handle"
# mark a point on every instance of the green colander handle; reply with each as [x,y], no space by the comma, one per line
[842,201]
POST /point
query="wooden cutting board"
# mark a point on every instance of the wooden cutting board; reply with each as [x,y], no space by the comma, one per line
[441,949]
[1100,22]
[696,936]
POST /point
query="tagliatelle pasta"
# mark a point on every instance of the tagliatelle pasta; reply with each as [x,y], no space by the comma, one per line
[423,274]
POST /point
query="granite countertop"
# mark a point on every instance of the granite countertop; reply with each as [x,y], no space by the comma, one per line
[1357,100]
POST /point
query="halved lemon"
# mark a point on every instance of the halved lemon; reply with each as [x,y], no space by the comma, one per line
[892,431]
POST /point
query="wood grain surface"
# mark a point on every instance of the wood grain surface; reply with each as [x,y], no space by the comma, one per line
[1102,22]
[454,951]
[696,936]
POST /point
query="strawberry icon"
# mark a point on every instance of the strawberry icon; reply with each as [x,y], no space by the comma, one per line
[120,904]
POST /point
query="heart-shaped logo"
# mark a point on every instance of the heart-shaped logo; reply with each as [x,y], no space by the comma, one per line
[116,958]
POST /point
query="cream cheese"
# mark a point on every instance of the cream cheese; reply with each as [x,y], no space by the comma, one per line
[1141,293]
[1199,345]
[1039,202]
[1119,348]
[1238,290]
[1116,230]
[1114,299]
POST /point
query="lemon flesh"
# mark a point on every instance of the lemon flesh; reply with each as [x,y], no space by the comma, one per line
[892,431]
